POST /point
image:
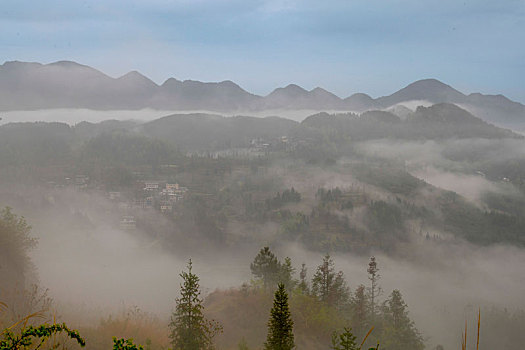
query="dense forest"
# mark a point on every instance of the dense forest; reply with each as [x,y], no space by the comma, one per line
[199,186]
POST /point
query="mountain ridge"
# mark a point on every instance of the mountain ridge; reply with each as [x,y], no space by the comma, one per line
[67,84]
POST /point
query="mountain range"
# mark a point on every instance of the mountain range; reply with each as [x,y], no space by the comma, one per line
[65,84]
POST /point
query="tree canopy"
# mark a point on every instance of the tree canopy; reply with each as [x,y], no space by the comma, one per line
[280,325]
[190,330]
[329,286]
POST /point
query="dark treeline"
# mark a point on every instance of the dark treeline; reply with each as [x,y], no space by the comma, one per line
[325,300]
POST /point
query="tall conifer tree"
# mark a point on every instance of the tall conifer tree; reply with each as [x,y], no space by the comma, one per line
[190,330]
[360,311]
[280,326]
[266,267]
[375,289]
[400,332]
[329,286]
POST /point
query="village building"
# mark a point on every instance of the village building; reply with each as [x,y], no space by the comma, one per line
[151,185]
[127,222]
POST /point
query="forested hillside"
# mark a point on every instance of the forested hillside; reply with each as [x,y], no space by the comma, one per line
[408,189]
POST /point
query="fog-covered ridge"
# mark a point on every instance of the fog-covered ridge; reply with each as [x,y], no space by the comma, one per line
[65,84]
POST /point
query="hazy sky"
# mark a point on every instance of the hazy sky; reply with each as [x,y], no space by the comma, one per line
[373,46]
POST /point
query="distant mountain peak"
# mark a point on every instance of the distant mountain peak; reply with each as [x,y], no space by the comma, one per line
[359,96]
[228,83]
[359,102]
[68,64]
[171,82]
[231,85]
[320,91]
[431,90]
[132,73]
[135,76]
[291,90]
[430,85]
[293,87]
[67,84]
[429,82]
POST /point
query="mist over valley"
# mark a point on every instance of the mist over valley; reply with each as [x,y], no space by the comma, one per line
[119,206]
[262,175]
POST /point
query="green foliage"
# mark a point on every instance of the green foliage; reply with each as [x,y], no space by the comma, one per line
[295,225]
[190,330]
[286,273]
[391,177]
[280,326]
[125,344]
[271,271]
[303,283]
[328,195]
[384,217]
[375,290]
[288,196]
[119,148]
[439,121]
[320,152]
[313,319]
[330,286]
[43,144]
[266,267]
[399,332]
[360,311]
[344,340]
[26,336]
[15,244]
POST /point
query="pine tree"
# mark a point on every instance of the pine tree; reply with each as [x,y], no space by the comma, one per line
[375,290]
[328,286]
[344,341]
[360,311]
[399,332]
[266,267]
[190,330]
[280,326]
[303,283]
[286,274]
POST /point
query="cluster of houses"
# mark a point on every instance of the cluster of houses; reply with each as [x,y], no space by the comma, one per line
[261,144]
[150,195]
[155,195]
[166,195]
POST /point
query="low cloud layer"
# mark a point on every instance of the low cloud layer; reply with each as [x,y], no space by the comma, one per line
[104,268]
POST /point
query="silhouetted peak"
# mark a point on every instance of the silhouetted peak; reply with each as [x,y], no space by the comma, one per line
[431,90]
[136,77]
[68,64]
[318,91]
[291,90]
[171,82]
[359,97]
